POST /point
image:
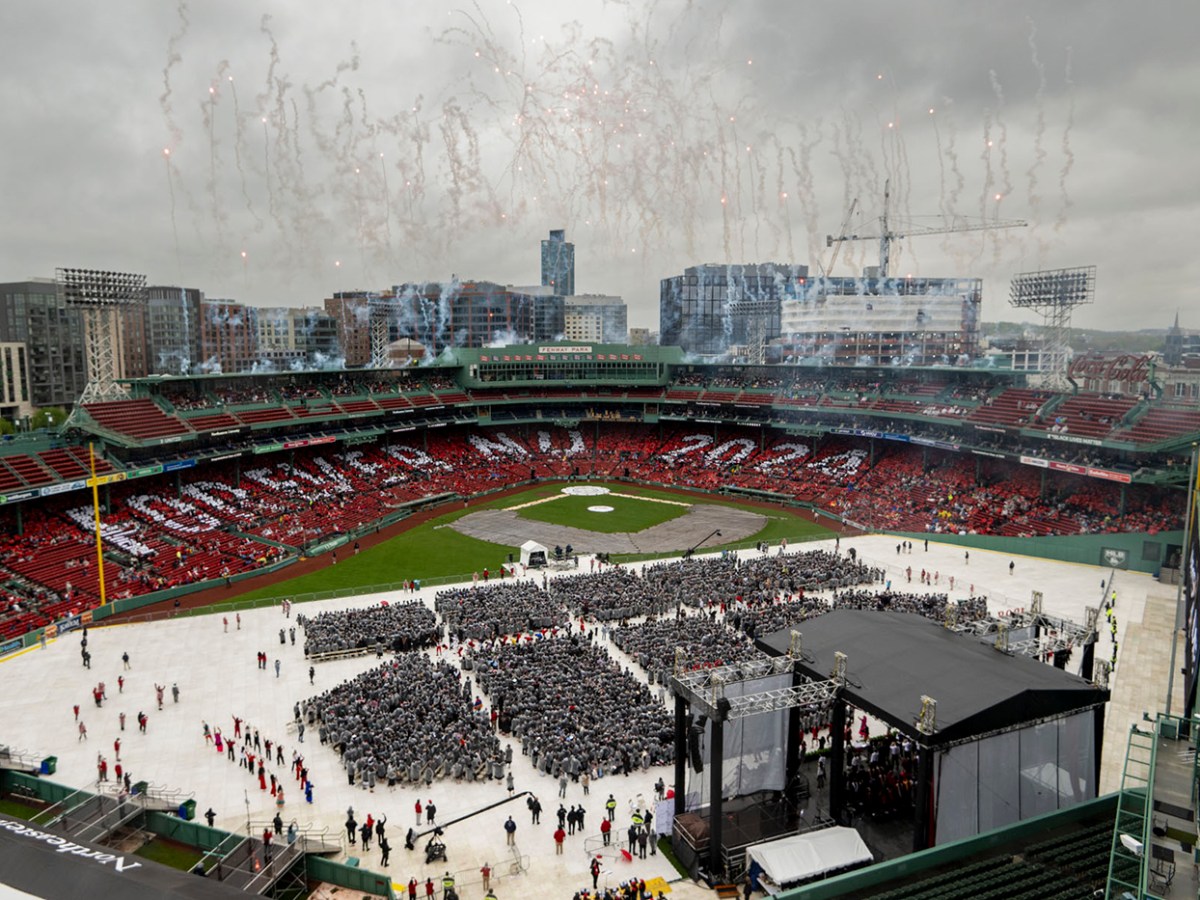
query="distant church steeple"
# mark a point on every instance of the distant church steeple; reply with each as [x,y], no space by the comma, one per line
[1173,347]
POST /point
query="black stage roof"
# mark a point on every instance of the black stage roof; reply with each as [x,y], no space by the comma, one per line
[894,658]
[46,864]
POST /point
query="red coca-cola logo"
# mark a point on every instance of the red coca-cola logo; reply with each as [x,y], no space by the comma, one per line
[1125,368]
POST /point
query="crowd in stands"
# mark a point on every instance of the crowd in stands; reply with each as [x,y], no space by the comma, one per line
[572,706]
[387,626]
[410,720]
[300,392]
[161,533]
[186,400]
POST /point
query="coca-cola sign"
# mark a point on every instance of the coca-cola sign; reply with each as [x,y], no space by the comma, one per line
[1125,368]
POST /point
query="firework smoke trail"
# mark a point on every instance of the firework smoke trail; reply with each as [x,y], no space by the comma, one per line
[1068,156]
[174,58]
[937,139]
[209,113]
[264,99]
[387,211]
[802,168]
[312,219]
[239,140]
[1039,151]
[895,157]
[959,183]
[997,236]
[726,228]
[783,197]
[174,223]
[989,178]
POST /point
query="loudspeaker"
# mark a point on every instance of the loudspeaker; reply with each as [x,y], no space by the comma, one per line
[693,745]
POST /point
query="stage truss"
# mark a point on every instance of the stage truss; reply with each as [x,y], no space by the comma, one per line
[704,689]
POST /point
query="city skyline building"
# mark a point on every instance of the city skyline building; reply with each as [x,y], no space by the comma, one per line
[297,338]
[725,310]
[596,318]
[228,337]
[172,329]
[35,313]
[471,314]
[558,263]
[880,321]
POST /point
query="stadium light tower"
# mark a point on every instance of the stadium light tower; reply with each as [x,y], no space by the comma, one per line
[100,296]
[1054,293]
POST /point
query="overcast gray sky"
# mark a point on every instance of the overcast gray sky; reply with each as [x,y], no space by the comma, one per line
[360,144]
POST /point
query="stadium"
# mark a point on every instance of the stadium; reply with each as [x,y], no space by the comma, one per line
[992,507]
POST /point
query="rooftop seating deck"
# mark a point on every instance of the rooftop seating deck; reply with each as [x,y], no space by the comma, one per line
[140,419]
[212,422]
[1160,423]
[1011,408]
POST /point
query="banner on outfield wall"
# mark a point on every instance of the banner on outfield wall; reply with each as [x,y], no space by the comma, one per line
[867,433]
[52,489]
[1073,469]
[18,496]
[1114,558]
[176,464]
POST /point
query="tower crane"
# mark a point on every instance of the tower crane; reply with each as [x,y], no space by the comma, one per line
[829,242]
[887,234]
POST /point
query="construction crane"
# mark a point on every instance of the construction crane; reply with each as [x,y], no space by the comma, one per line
[887,234]
[829,238]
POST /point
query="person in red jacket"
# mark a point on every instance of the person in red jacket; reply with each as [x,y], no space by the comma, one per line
[559,837]
[605,829]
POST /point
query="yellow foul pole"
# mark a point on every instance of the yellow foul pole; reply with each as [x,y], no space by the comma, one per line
[96,511]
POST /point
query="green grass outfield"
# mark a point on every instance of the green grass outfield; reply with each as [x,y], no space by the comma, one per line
[628,513]
[433,550]
[170,853]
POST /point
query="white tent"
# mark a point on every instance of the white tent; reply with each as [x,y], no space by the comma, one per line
[804,856]
[529,550]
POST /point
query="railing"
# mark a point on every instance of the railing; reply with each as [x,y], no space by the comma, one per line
[165,799]
[21,760]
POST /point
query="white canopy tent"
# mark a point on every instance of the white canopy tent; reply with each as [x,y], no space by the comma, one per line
[529,554]
[801,857]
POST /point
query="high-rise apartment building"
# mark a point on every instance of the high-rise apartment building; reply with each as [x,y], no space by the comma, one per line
[595,318]
[558,264]
[228,337]
[351,314]
[297,338]
[15,401]
[172,329]
[35,313]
